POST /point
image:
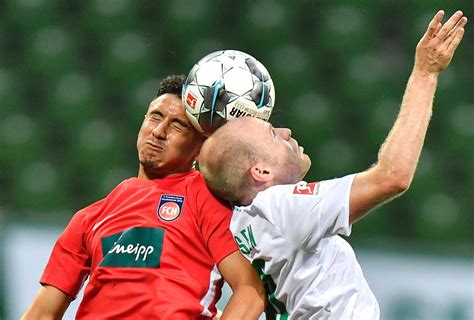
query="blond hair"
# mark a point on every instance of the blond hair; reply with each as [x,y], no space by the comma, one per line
[225,161]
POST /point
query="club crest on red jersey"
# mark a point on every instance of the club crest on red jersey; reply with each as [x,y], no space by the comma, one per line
[306,188]
[170,207]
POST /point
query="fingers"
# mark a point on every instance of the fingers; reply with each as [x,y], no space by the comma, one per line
[456,39]
[437,46]
[453,33]
[438,28]
[434,26]
[445,34]
[449,25]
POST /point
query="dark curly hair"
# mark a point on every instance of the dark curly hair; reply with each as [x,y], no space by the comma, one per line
[171,84]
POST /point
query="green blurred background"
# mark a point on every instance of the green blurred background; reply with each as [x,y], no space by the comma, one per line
[76,78]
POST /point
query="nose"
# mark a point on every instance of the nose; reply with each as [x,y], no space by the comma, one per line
[160,130]
[285,133]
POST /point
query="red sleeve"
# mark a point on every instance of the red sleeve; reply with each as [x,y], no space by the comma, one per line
[215,218]
[69,263]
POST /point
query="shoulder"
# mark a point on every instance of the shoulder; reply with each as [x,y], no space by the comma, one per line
[196,179]
[276,193]
[198,182]
[198,186]
[203,197]
[301,194]
[93,211]
[303,188]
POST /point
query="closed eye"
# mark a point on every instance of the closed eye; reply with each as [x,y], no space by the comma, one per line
[178,125]
[177,122]
[155,115]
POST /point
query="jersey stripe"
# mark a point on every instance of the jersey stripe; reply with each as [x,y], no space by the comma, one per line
[210,295]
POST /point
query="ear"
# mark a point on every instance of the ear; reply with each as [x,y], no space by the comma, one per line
[262,174]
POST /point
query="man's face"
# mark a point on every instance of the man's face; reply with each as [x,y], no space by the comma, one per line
[289,161]
[167,142]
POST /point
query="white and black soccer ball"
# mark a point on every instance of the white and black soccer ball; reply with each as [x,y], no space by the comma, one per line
[224,85]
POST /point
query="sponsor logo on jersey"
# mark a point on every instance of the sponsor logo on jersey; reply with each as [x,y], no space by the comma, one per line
[306,188]
[191,100]
[246,240]
[138,247]
[170,207]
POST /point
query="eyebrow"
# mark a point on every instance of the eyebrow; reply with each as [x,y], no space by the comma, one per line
[177,120]
[156,111]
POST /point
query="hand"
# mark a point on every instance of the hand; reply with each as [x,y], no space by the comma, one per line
[437,46]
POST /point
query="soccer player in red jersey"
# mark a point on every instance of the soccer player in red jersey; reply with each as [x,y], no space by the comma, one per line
[158,246]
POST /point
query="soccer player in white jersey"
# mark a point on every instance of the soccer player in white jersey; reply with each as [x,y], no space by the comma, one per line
[289,229]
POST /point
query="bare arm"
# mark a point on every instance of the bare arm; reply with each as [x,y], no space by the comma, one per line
[398,156]
[50,303]
[248,298]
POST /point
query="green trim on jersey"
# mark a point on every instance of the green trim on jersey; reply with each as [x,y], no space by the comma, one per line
[275,309]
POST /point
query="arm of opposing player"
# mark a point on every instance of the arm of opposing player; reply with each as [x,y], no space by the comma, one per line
[248,298]
[49,303]
[398,156]
[247,301]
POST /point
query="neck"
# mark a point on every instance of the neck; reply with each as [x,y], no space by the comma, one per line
[253,190]
[145,174]
[248,198]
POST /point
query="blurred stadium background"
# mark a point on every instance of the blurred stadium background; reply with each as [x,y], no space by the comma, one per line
[76,78]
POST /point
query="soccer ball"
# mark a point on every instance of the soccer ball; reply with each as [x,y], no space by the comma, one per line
[227,84]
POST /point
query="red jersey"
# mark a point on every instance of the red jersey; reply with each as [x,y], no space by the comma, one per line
[150,249]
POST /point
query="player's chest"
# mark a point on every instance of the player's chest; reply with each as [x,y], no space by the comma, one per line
[165,210]
[134,231]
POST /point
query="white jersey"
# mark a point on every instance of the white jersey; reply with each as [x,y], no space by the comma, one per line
[290,234]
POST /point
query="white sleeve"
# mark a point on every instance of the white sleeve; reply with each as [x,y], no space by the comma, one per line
[307,212]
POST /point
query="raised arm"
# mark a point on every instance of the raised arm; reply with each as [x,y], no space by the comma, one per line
[248,298]
[398,156]
[49,304]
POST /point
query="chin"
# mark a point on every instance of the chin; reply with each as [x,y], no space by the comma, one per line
[149,164]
